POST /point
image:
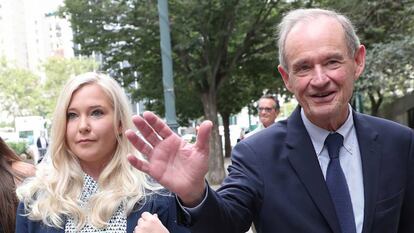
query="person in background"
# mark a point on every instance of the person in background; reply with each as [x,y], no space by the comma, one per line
[325,169]
[242,134]
[268,108]
[42,145]
[88,185]
[12,172]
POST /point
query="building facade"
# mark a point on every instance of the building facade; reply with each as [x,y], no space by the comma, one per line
[31,32]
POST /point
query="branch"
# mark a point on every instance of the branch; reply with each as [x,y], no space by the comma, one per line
[256,26]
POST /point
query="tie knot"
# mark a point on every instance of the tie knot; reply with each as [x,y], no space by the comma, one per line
[334,142]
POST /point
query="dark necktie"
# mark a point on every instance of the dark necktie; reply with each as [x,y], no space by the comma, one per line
[338,188]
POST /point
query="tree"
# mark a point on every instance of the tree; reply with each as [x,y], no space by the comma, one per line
[212,42]
[389,72]
[58,70]
[384,27]
[19,92]
[243,89]
[22,93]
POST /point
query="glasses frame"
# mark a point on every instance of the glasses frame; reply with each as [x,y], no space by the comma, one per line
[268,110]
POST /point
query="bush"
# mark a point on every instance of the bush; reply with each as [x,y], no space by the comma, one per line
[18,147]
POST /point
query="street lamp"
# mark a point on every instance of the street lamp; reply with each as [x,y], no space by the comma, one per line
[167,71]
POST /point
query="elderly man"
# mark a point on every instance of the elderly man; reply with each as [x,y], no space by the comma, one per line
[326,169]
[268,109]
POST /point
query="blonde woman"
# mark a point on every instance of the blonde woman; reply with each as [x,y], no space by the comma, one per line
[89,186]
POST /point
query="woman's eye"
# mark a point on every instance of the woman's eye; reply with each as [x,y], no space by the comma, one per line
[71,115]
[97,113]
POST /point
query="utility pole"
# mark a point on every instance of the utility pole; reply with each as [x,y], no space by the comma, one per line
[167,70]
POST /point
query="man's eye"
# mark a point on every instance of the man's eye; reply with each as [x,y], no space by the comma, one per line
[260,109]
[302,69]
[333,63]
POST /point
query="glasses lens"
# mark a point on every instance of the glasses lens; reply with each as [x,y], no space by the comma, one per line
[264,109]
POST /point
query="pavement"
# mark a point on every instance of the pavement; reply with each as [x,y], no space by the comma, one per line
[227,162]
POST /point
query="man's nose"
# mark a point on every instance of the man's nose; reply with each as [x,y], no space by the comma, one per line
[319,77]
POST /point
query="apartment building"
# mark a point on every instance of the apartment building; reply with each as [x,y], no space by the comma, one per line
[31,32]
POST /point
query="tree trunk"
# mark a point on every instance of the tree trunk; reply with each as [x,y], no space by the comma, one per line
[216,172]
[227,142]
[375,103]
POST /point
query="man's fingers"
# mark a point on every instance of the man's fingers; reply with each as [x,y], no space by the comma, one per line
[157,124]
[146,130]
[140,221]
[138,143]
[139,164]
[146,215]
[203,135]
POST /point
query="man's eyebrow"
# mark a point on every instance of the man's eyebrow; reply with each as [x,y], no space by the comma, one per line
[337,56]
[305,61]
[300,63]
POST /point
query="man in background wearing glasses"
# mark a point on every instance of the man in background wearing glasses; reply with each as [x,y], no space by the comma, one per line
[268,109]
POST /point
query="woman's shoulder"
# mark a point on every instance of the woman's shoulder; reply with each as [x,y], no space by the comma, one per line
[164,204]
[24,224]
[158,200]
[26,169]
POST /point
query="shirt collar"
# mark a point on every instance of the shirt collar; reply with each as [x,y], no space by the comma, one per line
[318,135]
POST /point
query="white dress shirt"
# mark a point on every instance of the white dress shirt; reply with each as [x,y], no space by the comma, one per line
[349,157]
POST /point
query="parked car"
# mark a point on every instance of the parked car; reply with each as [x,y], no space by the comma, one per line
[189,137]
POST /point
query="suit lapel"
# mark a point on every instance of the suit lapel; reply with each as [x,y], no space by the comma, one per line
[304,161]
[370,157]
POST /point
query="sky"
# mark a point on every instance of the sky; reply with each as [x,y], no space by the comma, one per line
[51,5]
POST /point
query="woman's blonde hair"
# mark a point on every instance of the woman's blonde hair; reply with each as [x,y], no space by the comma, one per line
[53,194]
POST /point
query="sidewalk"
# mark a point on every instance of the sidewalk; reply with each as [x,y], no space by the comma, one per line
[227,162]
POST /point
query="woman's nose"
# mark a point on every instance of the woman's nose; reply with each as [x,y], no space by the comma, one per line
[84,125]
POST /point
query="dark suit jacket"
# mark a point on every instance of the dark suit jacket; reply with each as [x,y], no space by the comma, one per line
[275,181]
[164,206]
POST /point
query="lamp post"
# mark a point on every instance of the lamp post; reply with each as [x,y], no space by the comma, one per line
[167,71]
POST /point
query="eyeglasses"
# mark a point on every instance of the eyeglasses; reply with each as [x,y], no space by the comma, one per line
[264,109]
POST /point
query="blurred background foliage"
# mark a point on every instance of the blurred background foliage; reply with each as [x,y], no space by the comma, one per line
[224,56]
[224,51]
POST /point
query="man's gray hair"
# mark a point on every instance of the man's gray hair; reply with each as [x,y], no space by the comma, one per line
[303,15]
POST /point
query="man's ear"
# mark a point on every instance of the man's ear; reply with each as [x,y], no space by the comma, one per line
[359,59]
[285,77]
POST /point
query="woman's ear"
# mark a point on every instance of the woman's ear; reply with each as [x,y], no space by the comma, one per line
[120,129]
